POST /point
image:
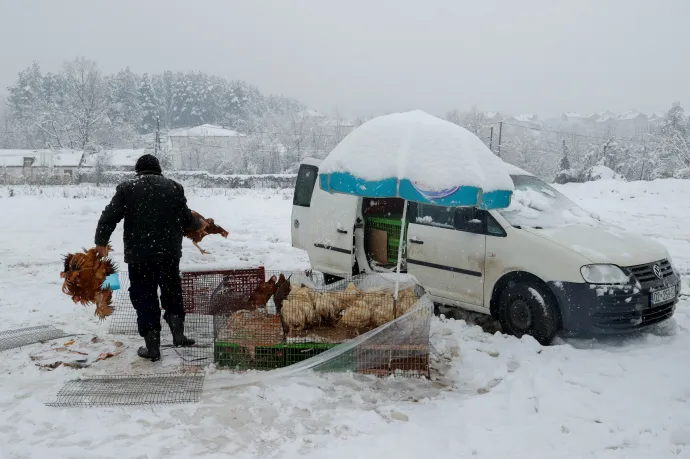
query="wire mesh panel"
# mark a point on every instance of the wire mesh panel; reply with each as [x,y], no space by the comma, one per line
[130,390]
[11,339]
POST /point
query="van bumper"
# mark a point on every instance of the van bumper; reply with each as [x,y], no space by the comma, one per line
[588,309]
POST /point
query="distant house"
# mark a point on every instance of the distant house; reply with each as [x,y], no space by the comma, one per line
[573,117]
[339,129]
[526,120]
[606,123]
[632,123]
[193,149]
[32,163]
[118,160]
[656,120]
[493,117]
[311,113]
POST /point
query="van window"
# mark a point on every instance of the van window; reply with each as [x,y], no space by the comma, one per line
[493,228]
[469,219]
[434,216]
[306,178]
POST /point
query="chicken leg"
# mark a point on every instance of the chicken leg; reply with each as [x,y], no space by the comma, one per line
[200,249]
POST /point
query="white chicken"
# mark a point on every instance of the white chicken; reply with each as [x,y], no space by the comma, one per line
[357,316]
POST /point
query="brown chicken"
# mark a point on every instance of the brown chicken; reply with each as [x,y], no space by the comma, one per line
[263,293]
[282,292]
[197,235]
[84,275]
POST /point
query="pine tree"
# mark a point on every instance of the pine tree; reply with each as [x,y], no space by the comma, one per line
[124,98]
[148,105]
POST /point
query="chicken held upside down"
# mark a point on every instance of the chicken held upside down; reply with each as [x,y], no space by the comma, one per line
[84,274]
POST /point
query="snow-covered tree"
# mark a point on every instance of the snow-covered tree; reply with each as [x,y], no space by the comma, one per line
[86,102]
[124,101]
[148,105]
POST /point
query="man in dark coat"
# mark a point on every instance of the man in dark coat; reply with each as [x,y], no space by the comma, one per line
[156,216]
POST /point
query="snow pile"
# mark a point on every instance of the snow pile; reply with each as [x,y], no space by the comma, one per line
[603,173]
[419,147]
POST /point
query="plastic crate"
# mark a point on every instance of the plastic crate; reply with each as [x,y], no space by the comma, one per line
[233,355]
[297,352]
[390,225]
[228,354]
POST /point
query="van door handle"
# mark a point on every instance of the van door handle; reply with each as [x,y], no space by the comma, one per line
[416,241]
[341,231]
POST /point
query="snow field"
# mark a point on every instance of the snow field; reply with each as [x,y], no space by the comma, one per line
[492,396]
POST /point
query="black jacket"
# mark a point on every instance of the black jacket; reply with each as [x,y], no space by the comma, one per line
[156,217]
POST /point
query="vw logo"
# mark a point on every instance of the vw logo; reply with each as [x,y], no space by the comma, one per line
[657,271]
[296,223]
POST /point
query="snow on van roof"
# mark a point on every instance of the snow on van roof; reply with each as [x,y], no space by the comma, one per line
[514,170]
[419,147]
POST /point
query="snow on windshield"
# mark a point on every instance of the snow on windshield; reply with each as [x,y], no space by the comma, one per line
[537,205]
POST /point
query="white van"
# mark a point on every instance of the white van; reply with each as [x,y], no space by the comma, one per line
[539,266]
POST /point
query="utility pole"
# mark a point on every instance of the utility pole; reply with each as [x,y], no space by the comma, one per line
[500,135]
[491,139]
[157,142]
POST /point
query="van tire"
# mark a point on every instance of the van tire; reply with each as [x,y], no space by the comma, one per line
[522,312]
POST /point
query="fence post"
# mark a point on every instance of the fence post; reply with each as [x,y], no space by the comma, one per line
[500,135]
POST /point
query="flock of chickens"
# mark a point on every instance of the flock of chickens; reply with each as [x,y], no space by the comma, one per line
[301,308]
[352,308]
[85,272]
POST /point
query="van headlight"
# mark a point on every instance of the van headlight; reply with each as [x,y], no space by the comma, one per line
[604,274]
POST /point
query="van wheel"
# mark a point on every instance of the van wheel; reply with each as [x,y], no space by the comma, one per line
[525,308]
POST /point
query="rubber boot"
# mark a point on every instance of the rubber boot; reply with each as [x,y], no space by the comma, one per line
[176,324]
[152,351]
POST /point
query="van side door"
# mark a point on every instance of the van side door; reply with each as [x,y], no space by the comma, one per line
[446,251]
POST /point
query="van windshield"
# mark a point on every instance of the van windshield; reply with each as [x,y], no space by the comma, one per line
[538,205]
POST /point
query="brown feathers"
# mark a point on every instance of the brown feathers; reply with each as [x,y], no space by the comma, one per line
[197,235]
[84,274]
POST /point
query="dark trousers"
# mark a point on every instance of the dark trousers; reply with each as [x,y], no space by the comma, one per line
[144,280]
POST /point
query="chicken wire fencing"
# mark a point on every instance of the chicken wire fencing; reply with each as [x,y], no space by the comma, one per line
[130,390]
[265,320]
[11,339]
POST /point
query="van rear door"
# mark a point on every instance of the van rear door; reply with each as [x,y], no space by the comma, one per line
[301,203]
[331,234]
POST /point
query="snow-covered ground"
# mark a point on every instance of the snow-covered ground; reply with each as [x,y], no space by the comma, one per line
[493,396]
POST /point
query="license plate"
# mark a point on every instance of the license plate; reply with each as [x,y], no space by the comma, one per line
[662,296]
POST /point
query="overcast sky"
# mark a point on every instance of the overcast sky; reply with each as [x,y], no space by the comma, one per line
[369,57]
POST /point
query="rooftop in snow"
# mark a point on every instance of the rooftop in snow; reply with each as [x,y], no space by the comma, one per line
[205,130]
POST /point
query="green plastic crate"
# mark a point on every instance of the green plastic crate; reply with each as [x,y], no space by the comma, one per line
[227,354]
[297,352]
[390,225]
